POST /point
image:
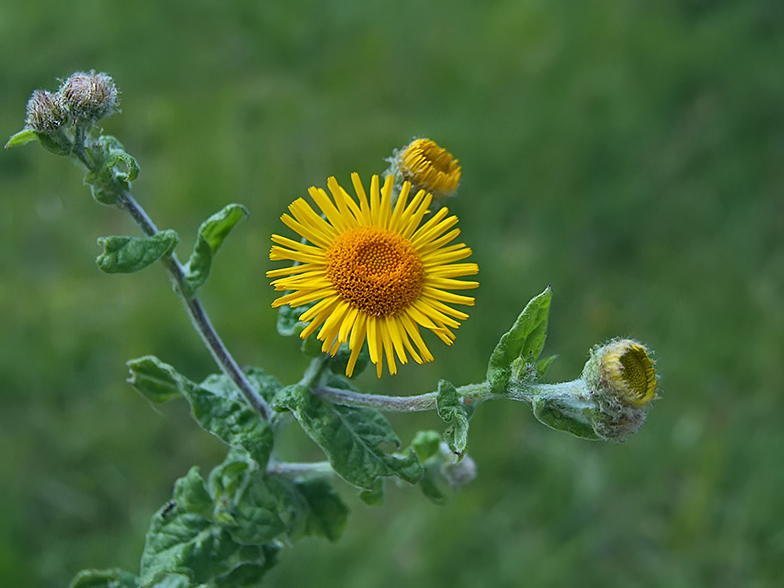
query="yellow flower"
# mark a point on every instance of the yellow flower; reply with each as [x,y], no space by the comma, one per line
[428,167]
[375,272]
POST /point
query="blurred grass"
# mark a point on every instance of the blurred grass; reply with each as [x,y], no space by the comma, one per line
[628,154]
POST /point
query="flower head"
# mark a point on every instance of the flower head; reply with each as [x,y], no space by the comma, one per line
[427,167]
[375,272]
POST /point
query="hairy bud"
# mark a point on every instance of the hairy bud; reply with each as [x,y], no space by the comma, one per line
[90,96]
[46,112]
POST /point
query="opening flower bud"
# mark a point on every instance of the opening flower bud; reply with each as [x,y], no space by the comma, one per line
[622,369]
[427,167]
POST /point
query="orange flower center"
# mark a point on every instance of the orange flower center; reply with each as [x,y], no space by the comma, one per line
[375,270]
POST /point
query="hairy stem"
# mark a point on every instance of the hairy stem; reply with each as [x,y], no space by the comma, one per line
[299,469]
[199,318]
[418,403]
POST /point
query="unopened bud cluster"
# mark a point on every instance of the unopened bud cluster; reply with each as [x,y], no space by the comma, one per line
[83,98]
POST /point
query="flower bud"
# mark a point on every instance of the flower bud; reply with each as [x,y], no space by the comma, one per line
[427,167]
[623,371]
[608,401]
[46,112]
[90,96]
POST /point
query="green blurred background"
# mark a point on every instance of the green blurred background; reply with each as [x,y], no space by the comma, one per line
[627,153]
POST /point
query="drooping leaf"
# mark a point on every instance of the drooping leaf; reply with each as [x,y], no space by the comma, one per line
[450,409]
[125,255]
[216,404]
[525,339]
[114,578]
[20,138]
[154,379]
[351,438]
[210,237]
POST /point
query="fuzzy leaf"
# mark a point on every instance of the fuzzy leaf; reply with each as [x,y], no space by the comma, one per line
[351,438]
[525,339]
[216,404]
[211,234]
[154,379]
[125,255]
[451,411]
[557,415]
[192,545]
[20,138]
[114,578]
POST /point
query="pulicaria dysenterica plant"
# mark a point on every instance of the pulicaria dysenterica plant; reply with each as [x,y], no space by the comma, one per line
[368,274]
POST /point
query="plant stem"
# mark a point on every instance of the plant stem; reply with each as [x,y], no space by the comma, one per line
[299,469]
[418,403]
[199,318]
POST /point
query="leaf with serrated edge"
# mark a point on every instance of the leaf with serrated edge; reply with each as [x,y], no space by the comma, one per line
[351,438]
[451,411]
[211,234]
[124,255]
[525,339]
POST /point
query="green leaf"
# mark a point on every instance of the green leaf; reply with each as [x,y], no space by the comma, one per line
[20,138]
[543,365]
[288,320]
[450,410]
[125,255]
[525,339]
[262,382]
[211,234]
[216,404]
[244,504]
[426,444]
[173,581]
[114,578]
[231,419]
[337,364]
[190,495]
[376,496]
[326,513]
[154,379]
[192,545]
[560,416]
[351,438]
